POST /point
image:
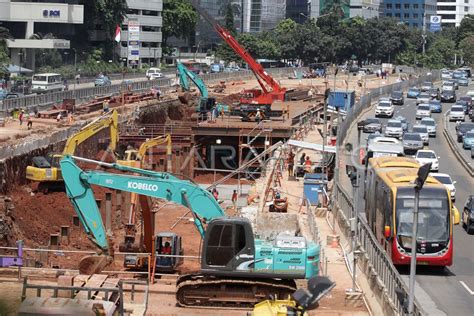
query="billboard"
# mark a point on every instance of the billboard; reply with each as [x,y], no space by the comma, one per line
[133,40]
[435,23]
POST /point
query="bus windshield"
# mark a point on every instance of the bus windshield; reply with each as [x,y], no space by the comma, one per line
[433,219]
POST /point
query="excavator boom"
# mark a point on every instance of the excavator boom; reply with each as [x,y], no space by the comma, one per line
[185,73]
[149,183]
[109,120]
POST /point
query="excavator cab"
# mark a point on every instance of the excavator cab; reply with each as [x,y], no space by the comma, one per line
[228,246]
[168,243]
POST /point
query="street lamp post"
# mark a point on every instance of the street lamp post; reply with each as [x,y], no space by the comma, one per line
[75,70]
[423,172]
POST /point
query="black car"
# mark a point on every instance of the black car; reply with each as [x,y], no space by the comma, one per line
[448,96]
[462,129]
[434,93]
[468,215]
[471,114]
[370,125]
[397,98]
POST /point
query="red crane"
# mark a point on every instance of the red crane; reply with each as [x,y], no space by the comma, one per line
[271,90]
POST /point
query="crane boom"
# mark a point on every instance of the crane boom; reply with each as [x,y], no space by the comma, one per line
[150,183]
[276,92]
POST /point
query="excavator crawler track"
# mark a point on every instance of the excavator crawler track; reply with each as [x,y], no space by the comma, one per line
[200,290]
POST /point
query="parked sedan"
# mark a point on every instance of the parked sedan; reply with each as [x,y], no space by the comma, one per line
[448,96]
[468,140]
[372,125]
[423,131]
[430,125]
[436,106]
[462,129]
[422,110]
[445,179]
[412,142]
[426,156]
[413,93]
[468,215]
[423,98]
[397,98]
[456,113]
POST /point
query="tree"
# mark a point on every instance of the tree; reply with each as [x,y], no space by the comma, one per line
[179,20]
[466,28]
[4,59]
[467,48]
[224,51]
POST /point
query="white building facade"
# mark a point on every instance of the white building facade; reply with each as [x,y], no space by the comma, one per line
[26,18]
[452,12]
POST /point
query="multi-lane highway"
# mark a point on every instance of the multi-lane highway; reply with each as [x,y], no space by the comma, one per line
[449,291]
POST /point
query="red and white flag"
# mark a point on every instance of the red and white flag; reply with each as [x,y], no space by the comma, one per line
[118,31]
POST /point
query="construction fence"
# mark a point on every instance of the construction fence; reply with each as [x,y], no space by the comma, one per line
[374,260]
[44,101]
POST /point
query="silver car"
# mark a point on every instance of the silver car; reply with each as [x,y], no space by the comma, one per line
[412,142]
[456,113]
[423,98]
[430,125]
[423,131]
[423,110]
[394,128]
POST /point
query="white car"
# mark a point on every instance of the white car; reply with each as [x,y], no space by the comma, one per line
[446,74]
[423,131]
[448,86]
[430,125]
[445,179]
[423,110]
[394,128]
[423,98]
[154,73]
[426,86]
[384,108]
[426,156]
[470,93]
[456,113]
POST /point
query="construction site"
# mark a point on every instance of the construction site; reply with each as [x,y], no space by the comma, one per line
[232,169]
[179,200]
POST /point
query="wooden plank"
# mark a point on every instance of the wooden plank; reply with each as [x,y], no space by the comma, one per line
[113,296]
[95,280]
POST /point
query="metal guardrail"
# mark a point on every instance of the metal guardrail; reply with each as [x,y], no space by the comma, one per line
[452,144]
[379,263]
[32,101]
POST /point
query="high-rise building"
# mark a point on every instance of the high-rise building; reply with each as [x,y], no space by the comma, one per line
[415,13]
[298,10]
[26,18]
[351,8]
[262,15]
[453,11]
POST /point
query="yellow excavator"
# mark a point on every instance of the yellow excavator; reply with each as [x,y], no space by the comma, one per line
[136,158]
[46,170]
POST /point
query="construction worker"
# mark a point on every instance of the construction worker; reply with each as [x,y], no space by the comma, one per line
[70,120]
[234,199]
[105,106]
[29,122]
[291,163]
[59,117]
[258,116]
[166,250]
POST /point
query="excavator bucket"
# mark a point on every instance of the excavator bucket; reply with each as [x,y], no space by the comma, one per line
[185,97]
[94,264]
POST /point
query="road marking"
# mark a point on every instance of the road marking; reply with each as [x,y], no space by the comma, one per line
[467,288]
